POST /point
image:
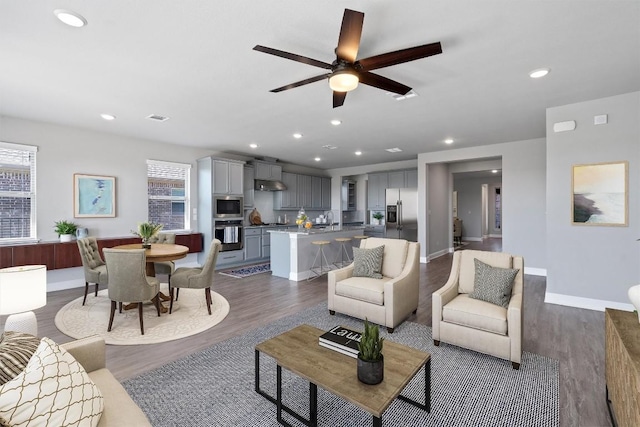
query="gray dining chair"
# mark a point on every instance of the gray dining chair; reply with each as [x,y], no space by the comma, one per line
[95,270]
[128,281]
[164,267]
[196,278]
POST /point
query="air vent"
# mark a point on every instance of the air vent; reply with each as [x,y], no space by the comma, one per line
[329,147]
[157,118]
[393,150]
[399,97]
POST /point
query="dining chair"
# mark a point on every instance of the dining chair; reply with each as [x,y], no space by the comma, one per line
[95,270]
[128,281]
[196,278]
[164,267]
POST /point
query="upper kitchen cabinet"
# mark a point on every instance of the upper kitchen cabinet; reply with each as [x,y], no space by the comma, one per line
[304,190]
[348,195]
[316,192]
[403,178]
[287,199]
[310,192]
[376,192]
[228,177]
[249,173]
[326,193]
[411,178]
[268,171]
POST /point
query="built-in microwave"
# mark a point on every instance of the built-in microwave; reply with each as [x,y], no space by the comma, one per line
[228,207]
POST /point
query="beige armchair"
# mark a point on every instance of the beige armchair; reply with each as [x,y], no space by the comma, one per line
[387,301]
[128,281]
[475,324]
[95,270]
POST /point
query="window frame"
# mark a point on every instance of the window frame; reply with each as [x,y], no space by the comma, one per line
[186,168]
[33,231]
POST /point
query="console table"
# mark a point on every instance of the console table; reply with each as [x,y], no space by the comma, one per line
[622,364]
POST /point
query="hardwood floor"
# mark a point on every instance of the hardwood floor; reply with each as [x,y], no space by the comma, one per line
[573,336]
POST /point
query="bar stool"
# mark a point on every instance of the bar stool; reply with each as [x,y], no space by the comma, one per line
[359,240]
[342,252]
[321,269]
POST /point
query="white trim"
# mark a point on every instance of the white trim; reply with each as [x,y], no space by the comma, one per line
[171,164]
[535,271]
[14,146]
[424,260]
[588,303]
[472,239]
[438,254]
[496,236]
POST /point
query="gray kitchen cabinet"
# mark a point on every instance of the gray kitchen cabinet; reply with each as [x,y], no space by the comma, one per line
[266,242]
[252,245]
[411,178]
[304,190]
[287,199]
[376,192]
[396,179]
[326,193]
[248,186]
[268,171]
[316,192]
[348,195]
[227,177]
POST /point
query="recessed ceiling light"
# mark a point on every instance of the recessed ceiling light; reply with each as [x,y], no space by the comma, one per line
[393,150]
[70,18]
[253,145]
[336,122]
[448,141]
[494,171]
[317,159]
[108,116]
[358,153]
[540,72]
[297,135]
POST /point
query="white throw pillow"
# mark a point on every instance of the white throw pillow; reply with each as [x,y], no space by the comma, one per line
[53,390]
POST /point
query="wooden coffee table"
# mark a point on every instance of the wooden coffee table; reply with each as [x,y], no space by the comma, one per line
[299,352]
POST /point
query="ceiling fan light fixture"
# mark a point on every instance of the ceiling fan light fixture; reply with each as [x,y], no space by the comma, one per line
[343,81]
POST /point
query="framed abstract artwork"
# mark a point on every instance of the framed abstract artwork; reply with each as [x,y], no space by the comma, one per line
[94,196]
[599,194]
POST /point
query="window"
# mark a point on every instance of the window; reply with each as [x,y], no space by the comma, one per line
[17,191]
[168,190]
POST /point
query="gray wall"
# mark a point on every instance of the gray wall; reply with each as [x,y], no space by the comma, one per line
[438,221]
[523,187]
[470,204]
[595,262]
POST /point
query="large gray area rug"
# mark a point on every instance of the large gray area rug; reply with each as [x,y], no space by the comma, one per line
[215,387]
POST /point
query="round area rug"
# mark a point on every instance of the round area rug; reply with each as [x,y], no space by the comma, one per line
[189,317]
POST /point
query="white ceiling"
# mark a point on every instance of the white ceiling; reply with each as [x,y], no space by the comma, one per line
[192,60]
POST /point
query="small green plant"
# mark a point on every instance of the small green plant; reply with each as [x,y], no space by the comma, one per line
[147,230]
[65,227]
[378,215]
[370,345]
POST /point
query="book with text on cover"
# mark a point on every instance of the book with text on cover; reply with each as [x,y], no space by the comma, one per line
[341,338]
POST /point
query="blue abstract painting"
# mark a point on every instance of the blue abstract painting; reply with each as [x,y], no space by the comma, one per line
[94,196]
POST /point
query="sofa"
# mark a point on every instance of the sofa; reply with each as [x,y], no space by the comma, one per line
[119,408]
[387,301]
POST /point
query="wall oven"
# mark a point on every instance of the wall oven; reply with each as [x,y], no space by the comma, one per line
[230,233]
[228,207]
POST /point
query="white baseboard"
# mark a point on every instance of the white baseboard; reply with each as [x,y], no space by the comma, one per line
[535,271]
[424,260]
[471,239]
[438,254]
[588,303]
[496,236]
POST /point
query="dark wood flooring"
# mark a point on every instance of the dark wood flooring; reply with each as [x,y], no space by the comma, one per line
[573,336]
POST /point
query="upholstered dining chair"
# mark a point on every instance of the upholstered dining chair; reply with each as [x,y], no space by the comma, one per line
[128,281]
[95,270]
[196,278]
[164,267]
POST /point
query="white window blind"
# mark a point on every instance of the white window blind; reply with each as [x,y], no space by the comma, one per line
[168,192]
[17,192]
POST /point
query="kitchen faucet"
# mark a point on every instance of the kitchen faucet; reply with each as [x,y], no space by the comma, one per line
[327,214]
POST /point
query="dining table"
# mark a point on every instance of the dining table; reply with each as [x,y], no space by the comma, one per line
[158,252]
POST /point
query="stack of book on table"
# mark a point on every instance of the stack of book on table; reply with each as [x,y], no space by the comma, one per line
[341,339]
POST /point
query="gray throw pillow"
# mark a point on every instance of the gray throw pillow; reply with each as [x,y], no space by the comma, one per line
[493,284]
[368,262]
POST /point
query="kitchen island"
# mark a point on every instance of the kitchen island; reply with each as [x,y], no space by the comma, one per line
[292,251]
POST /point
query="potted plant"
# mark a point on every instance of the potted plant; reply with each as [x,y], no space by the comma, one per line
[378,217]
[370,358]
[66,230]
[147,230]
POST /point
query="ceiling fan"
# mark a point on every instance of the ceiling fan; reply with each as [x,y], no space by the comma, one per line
[346,72]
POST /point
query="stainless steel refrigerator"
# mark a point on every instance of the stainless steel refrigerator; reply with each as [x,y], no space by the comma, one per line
[402,214]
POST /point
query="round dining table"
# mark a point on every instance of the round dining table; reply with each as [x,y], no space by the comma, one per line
[158,252]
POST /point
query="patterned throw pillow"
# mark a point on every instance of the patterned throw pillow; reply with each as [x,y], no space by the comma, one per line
[53,390]
[368,262]
[16,348]
[493,284]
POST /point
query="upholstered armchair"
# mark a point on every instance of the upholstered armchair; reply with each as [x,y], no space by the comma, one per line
[95,270]
[196,278]
[387,301]
[474,323]
[128,281]
[164,267]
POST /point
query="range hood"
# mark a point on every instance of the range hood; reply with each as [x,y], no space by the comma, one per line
[264,185]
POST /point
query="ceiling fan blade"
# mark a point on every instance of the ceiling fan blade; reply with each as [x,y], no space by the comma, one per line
[350,32]
[292,56]
[399,56]
[301,83]
[383,83]
[338,98]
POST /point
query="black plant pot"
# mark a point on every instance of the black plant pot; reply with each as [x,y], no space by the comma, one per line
[371,372]
[146,245]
